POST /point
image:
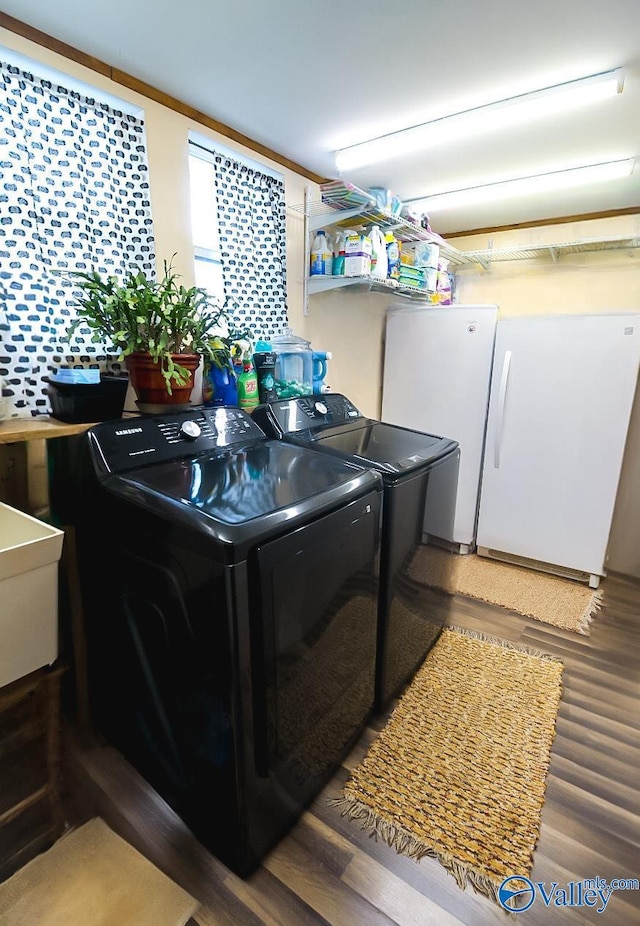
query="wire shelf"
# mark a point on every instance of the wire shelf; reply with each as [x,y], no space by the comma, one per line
[487,256]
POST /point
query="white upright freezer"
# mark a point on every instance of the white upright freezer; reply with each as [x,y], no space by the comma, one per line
[437,372]
[561,396]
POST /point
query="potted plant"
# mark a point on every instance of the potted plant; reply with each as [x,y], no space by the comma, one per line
[160,328]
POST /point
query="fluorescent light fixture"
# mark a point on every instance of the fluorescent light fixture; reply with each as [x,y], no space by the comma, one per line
[514,111]
[525,186]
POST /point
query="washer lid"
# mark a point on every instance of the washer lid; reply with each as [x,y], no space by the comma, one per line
[244,493]
[387,447]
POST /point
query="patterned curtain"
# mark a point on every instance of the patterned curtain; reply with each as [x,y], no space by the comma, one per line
[252,225]
[74,195]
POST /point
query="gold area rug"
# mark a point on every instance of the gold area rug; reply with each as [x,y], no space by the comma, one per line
[92,877]
[459,771]
[564,603]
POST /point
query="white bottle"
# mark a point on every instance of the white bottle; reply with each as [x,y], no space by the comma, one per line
[321,256]
[379,264]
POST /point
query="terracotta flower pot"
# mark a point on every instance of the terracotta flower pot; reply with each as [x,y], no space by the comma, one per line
[149,384]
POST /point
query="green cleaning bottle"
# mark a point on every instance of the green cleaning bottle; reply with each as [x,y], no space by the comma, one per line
[248,397]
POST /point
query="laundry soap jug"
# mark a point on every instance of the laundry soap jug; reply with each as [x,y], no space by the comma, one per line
[378,254]
[321,256]
[219,385]
[294,365]
[393,256]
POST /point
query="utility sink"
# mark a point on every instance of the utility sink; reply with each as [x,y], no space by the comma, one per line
[29,554]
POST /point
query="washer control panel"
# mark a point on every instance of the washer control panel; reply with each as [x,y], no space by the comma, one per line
[127,443]
[289,416]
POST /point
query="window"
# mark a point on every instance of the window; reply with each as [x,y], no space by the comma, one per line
[204,225]
[74,195]
[239,232]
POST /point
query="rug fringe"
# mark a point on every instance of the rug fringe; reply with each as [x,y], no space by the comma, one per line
[506,644]
[406,843]
[589,613]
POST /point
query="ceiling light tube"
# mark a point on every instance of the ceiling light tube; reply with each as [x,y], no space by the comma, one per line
[505,113]
[524,186]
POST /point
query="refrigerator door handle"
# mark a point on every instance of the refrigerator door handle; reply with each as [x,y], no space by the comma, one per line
[502,398]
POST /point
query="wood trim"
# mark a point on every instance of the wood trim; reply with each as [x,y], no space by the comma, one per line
[562,220]
[47,41]
[152,93]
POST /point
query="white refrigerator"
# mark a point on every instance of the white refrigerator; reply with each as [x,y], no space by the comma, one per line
[561,396]
[437,372]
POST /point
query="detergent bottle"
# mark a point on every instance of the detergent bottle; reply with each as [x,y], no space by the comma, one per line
[378,254]
[219,383]
[248,397]
[338,255]
[393,256]
[321,256]
[264,361]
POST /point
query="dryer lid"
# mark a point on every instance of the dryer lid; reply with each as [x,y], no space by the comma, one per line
[387,447]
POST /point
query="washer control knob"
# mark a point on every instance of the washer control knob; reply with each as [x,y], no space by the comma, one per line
[190,429]
[321,408]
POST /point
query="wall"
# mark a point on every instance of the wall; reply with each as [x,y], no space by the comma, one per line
[351,326]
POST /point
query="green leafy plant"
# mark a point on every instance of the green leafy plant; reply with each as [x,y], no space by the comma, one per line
[160,317]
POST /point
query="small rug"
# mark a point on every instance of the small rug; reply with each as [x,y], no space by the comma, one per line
[92,877]
[564,603]
[459,771]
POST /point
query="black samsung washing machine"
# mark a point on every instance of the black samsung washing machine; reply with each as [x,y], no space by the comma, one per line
[230,590]
[420,477]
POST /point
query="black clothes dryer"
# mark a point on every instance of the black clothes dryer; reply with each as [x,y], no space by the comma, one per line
[230,590]
[420,477]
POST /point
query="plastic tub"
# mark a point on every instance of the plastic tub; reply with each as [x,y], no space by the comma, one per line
[29,555]
[78,403]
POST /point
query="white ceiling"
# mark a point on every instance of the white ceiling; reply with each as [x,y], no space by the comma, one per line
[305,78]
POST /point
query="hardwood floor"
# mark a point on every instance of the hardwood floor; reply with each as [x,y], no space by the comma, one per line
[326,870]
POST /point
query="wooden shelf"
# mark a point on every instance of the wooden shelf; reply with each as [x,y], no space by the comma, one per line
[13,430]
